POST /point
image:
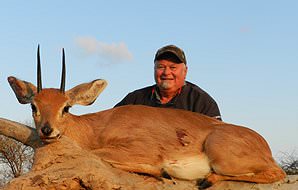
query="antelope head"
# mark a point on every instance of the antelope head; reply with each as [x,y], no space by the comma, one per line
[50,106]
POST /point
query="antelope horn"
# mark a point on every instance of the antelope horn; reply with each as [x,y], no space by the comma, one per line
[62,87]
[39,85]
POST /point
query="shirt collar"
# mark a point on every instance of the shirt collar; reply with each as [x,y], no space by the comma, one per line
[155,93]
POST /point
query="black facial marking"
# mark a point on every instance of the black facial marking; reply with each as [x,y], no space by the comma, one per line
[33,108]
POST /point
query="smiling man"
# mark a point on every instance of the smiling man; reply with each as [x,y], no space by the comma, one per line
[171,89]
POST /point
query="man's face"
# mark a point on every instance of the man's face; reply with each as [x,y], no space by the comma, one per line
[169,76]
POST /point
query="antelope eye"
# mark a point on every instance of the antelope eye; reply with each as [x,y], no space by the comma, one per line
[33,108]
[66,109]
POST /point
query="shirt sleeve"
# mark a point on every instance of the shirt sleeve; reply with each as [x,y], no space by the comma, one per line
[210,107]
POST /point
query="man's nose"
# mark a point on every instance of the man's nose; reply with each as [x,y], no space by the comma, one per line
[167,70]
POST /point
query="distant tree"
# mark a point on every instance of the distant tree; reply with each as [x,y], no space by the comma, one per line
[289,162]
[15,159]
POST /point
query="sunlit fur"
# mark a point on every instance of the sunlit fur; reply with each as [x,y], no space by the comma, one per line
[151,140]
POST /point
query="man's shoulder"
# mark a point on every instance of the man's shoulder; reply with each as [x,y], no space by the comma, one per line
[143,90]
[196,91]
[190,87]
[139,96]
[204,102]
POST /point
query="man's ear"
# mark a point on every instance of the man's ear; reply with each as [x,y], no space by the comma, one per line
[86,93]
[23,90]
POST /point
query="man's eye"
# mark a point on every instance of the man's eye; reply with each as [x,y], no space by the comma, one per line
[33,108]
[160,67]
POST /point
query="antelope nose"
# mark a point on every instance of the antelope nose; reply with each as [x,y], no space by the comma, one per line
[46,130]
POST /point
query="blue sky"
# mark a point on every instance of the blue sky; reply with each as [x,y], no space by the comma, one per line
[244,54]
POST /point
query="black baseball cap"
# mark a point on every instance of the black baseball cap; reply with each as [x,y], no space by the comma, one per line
[173,50]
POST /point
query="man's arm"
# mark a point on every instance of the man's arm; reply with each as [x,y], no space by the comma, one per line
[128,99]
[211,109]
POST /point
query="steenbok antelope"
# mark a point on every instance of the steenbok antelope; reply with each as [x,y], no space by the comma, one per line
[154,141]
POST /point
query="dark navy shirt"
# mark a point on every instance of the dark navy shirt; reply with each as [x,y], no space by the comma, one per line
[190,97]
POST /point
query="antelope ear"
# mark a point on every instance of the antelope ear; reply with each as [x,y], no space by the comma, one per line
[23,90]
[86,93]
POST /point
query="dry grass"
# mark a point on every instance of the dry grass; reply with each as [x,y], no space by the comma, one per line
[289,162]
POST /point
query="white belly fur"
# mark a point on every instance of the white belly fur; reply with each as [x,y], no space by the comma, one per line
[188,168]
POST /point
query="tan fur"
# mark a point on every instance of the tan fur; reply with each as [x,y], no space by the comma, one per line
[151,140]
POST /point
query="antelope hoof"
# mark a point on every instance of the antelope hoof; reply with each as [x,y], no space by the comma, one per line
[203,184]
[165,174]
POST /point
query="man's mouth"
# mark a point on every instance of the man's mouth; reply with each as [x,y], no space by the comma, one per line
[166,79]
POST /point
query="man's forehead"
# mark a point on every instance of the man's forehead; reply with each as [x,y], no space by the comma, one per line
[167,63]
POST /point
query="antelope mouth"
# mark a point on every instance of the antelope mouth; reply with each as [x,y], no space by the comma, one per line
[50,138]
